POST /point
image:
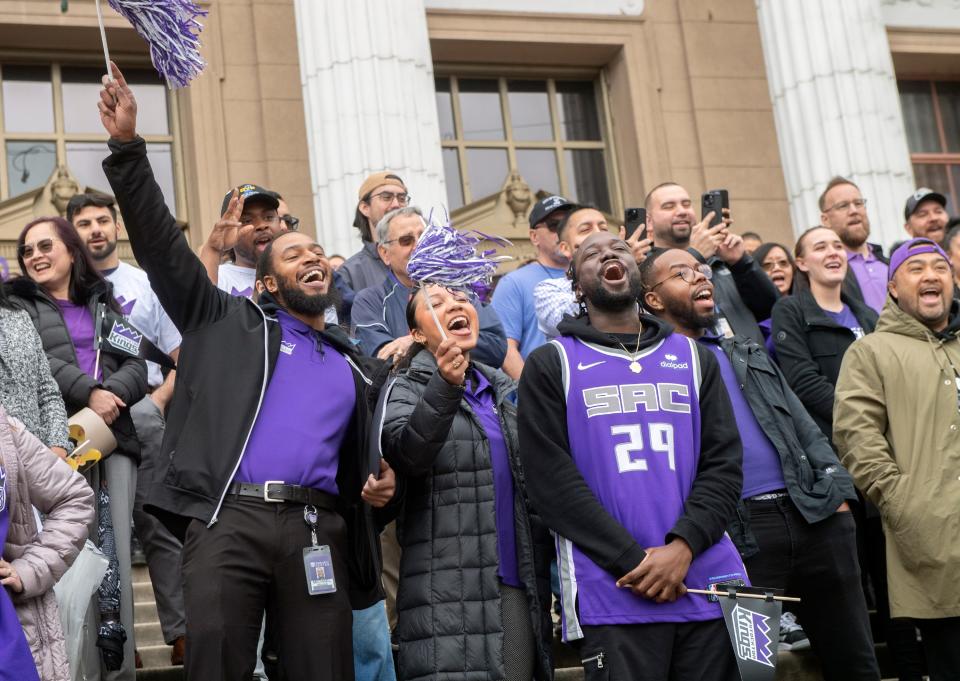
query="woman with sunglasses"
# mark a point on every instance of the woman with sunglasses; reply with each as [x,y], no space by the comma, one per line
[60,290]
[777,263]
[474,571]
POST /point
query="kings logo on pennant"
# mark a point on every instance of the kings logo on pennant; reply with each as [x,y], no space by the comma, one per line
[125,338]
[752,636]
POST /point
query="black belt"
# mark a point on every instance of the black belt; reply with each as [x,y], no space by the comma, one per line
[276,492]
[770,496]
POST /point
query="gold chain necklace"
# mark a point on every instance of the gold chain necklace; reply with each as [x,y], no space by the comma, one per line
[634,365]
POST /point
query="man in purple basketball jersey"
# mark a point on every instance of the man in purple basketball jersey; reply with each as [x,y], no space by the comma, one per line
[793,528]
[631,456]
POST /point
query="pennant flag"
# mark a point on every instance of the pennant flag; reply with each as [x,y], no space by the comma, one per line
[754,628]
[118,336]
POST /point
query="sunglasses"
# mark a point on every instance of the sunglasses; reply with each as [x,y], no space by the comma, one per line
[291,222]
[406,240]
[44,246]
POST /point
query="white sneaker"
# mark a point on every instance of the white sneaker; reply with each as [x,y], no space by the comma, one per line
[792,636]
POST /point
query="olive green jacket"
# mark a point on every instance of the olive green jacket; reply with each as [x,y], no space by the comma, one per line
[896,427]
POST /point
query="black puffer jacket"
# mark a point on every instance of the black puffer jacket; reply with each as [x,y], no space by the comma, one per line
[449,598]
[124,376]
[810,347]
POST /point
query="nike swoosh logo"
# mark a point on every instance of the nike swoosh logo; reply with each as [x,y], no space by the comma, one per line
[581,366]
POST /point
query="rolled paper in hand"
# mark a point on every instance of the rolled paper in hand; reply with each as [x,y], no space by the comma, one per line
[93,440]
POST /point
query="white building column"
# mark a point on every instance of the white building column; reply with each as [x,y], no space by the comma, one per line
[369,99]
[836,107]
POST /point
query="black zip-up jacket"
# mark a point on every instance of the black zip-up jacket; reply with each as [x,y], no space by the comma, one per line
[562,497]
[123,375]
[810,346]
[230,348]
[815,480]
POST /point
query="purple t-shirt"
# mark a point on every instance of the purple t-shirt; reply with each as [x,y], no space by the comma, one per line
[16,661]
[845,318]
[79,323]
[762,468]
[871,274]
[480,396]
[306,410]
[635,437]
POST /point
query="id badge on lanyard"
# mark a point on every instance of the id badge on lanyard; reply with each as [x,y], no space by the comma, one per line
[317,559]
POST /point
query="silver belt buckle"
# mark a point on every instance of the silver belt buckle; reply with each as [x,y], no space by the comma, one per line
[266,491]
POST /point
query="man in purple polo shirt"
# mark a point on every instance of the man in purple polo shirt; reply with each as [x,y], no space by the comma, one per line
[794,528]
[265,473]
[844,210]
[631,457]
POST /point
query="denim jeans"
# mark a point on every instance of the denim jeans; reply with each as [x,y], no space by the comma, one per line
[372,653]
[818,563]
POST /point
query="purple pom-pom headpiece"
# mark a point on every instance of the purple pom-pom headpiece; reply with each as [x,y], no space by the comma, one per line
[171,28]
[449,258]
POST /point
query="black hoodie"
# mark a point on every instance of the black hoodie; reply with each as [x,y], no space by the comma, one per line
[558,491]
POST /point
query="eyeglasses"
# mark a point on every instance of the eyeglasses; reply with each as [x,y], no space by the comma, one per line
[845,205]
[552,225]
[387,197]
[688,274]
[44,246]
[291,222]
[406,240]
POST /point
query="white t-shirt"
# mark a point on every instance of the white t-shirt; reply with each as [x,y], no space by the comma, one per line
[131,288]
[239,281]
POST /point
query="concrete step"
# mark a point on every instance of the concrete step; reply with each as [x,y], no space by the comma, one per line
[145,611]
[147,634]
[143,591]
[155,655]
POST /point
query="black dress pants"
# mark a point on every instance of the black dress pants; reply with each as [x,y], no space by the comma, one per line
[251,562]
[941,645]
[686,651]
[818,564]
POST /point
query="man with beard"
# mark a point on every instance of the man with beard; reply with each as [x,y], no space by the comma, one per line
[895,427]
[95,218]
[844,210]
[744,293]
[926,215]
[794,528]
[379,194]
[261,469]
[631,456]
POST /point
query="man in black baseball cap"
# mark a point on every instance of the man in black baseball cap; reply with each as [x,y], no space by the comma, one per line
[513,298]
[926,215]
[249,219]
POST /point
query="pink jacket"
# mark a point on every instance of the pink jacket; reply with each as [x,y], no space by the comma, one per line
[37,477]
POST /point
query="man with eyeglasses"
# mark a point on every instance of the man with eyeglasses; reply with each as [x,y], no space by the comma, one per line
[793,527]
[744,293]
[513,298]
[249,219]
[379,194]
[844,210]
[379,312]
[94,216]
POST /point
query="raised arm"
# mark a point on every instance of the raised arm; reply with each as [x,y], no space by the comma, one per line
[176,274]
